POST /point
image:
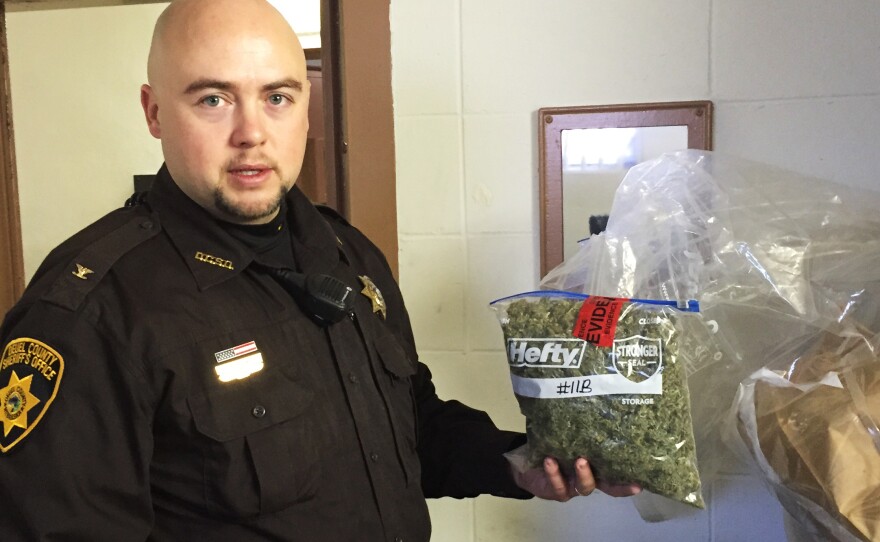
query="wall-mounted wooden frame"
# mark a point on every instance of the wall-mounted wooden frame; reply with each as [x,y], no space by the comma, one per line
[552,121]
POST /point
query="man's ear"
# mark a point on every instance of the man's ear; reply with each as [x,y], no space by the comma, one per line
[307,94]
[151,110]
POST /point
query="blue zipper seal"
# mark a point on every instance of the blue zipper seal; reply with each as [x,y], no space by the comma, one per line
[691,305]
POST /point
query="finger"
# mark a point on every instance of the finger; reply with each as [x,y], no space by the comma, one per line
[584,482]
[556,480]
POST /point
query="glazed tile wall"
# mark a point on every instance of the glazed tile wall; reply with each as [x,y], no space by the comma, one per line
[795,83]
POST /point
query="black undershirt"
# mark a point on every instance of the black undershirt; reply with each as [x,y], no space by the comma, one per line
[271,241]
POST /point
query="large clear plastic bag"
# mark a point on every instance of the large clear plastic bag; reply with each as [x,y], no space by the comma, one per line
[810,423]
[771,255]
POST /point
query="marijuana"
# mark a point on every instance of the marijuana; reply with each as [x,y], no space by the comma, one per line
[622,403]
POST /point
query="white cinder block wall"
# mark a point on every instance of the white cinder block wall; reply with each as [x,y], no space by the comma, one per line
[794,82]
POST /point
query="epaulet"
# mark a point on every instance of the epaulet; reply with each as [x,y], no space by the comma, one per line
[332,214]
[91,265]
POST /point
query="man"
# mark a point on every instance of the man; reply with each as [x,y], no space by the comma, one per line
[189,368]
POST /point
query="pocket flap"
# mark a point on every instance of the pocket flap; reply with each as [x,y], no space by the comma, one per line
[393,357]
[243,407]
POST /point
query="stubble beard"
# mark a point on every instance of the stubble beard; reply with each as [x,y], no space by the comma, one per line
[250,213]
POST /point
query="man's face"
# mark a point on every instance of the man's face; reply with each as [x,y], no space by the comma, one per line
[231,109]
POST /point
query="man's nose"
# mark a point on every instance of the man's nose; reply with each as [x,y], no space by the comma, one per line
[250,129]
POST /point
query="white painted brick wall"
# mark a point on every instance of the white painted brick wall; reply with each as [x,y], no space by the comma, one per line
[795,83]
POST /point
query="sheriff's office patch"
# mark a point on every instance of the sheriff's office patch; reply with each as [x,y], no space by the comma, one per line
[30,374]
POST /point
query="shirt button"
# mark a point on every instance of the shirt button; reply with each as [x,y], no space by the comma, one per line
[374,456]
[259,411]
[398,539]
[146,225]
[352,378]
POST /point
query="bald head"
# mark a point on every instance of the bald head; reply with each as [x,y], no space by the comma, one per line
[187,23]
[228,97]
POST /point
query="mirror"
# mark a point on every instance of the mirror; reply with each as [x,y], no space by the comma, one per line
[586,151]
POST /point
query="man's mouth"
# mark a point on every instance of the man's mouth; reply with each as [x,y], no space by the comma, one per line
[249,173]
[248,169]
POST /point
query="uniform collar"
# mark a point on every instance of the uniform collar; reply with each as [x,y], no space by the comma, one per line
[214,256]
[316,248]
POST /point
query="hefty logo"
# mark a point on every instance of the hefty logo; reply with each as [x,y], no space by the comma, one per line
[549,353]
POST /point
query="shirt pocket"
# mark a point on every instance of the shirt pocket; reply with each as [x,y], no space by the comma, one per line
[260,451]
[399,369]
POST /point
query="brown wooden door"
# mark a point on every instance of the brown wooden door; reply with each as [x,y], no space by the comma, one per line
[313,179]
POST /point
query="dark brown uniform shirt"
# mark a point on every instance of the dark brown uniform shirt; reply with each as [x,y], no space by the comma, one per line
[333,433]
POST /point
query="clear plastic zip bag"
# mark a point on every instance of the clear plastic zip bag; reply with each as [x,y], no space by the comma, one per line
[778,260]
[604,378]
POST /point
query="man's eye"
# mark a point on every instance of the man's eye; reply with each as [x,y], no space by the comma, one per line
[212,101]
[277,99]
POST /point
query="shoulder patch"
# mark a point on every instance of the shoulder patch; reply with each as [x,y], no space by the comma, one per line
[30,375]
[87,269]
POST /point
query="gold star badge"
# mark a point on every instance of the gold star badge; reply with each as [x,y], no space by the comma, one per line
[374,295]
[17,401]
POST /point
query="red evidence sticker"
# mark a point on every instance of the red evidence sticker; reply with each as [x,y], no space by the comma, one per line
[597,320]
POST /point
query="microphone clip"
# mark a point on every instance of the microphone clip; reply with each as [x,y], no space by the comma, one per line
[324,298]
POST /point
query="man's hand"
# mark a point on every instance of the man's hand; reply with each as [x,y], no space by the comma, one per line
[549,483]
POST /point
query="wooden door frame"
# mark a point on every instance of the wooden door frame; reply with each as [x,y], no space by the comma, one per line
[11,257]
[356,51]
[366,121]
